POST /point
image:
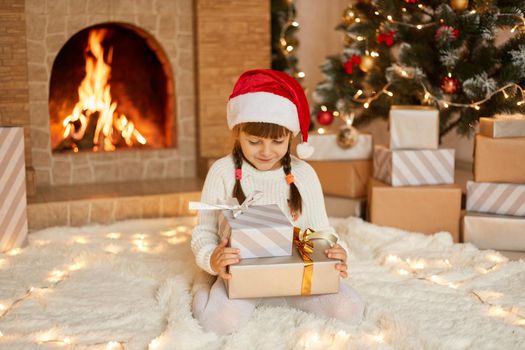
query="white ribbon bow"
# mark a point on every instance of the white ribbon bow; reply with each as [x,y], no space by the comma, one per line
[230,204]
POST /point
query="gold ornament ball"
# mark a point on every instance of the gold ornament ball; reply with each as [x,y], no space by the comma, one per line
[459,5]
[347,137]
[349,16]
[367,63]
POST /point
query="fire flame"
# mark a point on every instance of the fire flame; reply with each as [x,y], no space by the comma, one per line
[95,98]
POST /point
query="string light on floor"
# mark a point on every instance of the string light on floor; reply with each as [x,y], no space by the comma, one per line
[57,276]
[414,268]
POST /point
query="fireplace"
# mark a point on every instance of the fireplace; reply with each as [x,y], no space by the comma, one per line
[157,95]
[109,90]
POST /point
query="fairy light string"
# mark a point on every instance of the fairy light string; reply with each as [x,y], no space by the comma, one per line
[428,96]
[56,277]
[415,268]
[285,47]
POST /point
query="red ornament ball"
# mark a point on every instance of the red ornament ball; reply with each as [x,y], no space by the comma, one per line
[449,85]
[325,117]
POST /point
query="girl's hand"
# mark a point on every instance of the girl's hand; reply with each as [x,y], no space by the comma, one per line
[223,256]
[337,252]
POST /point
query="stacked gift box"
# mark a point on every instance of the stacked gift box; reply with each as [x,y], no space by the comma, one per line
[413,186]
[344,172]
[274,260]
[13,201]
[495,217]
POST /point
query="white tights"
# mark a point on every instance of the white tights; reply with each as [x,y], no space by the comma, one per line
[217,313]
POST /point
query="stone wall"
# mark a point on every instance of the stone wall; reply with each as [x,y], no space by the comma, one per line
[49,24]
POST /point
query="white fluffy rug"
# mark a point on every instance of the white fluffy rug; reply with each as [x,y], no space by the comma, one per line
[125,286]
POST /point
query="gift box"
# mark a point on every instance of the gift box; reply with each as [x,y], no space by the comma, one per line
[326,148]
[13,201]
[425,209]
[340,207]
[259,231]
[499,160]
[503,126]
[413,167]
[414,127]
[496,198]
[500,232]
[284,276]
[347,179]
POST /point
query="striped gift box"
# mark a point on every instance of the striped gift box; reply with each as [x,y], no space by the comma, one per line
[496,198]
[260,231]
[414,167]
[13,201]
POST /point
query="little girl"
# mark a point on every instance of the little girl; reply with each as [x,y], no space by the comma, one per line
[265,110]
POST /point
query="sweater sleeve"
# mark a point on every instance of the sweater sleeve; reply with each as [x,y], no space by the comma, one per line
[313,202]
[205,237]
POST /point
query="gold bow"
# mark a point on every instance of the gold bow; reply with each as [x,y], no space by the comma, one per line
[305,246]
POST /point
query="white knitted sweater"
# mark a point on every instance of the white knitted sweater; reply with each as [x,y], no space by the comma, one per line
[219,185]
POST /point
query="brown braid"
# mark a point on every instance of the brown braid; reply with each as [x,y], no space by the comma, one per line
[237,158]
[295,202]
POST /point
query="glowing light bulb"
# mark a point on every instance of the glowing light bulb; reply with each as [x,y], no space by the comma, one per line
[358,20]
[360,38]
[389,93]
[505,94]
[445,104]
[289,48]
[335,113]
[520,103]
[376,13]
[323,108]
[154,344]
[389,18]
[419,26]
[301,74]
[320,131]
[476,107]
[358,93]
[366,105]
[112,345]
[295,24]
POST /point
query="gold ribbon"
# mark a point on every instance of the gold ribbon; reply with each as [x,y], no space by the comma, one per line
[305,246]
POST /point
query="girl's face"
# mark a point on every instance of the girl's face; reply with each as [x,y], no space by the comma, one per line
[263,153]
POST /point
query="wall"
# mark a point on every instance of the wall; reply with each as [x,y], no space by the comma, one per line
[14,89]
[232,36]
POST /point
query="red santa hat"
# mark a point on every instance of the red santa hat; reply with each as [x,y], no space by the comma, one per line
[269,96]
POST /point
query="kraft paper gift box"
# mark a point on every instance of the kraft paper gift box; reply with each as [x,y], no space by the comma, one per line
[326,148]
[424,209]
[284,276]
[348,179]
[499,160]
[500,232]
[503,126]
[259,231]
[414,167]
[13,201]
[414,127]
[496,198]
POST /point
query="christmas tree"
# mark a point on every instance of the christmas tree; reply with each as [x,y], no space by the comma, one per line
[443,53]
[284,40]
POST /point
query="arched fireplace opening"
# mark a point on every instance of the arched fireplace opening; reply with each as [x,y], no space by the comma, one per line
[111,88]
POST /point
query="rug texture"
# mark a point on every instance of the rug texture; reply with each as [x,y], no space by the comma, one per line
[126,286]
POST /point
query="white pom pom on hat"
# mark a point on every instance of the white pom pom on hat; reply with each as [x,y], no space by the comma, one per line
[269,96]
